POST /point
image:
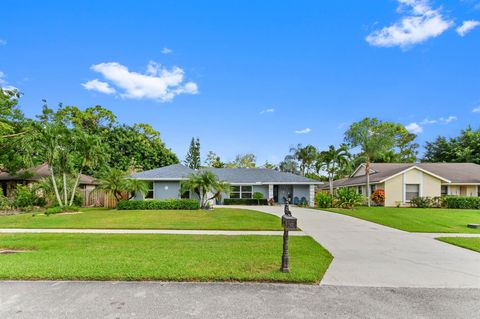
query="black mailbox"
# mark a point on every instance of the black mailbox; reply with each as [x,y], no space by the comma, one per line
[289,222]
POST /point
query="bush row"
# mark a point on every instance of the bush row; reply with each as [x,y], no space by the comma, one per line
[245,201]
[462,202]
[187,204]
[57,210]
[344,198]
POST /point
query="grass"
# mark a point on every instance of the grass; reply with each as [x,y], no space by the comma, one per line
[217,219]
[160,257]
[426,220]
[472,243]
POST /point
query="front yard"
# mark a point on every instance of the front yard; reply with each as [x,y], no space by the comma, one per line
[216,219]
[425,220]
[472,243]
[160,257]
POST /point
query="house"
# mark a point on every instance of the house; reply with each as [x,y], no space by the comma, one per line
[165,183]
[32,175]
[404,181]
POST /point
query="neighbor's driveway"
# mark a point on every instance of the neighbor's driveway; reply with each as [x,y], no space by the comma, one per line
[368,254]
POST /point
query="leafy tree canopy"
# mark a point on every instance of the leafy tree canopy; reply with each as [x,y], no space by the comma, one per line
[463,148]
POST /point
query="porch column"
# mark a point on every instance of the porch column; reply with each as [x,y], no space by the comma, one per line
[270,191]
[311,200]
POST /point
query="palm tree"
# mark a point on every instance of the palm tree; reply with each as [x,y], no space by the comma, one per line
[202,183]
[374,138]
[332,160]
[305,155]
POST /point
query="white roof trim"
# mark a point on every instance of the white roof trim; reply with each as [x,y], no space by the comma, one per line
[358,168]
[420,169]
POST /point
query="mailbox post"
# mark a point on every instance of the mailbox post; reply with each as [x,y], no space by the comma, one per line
[289,223]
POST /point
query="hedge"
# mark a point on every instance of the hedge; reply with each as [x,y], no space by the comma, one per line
[462,202]
[245,201]
[186,204]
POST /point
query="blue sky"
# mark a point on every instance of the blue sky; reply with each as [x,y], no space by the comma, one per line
[250,76]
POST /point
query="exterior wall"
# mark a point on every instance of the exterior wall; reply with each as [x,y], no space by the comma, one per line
[301,191]
[395,188]
[394,191]
[261,189]
[163,190]
[454,190]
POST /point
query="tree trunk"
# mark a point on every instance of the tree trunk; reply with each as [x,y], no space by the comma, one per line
[367,171]
[55,188]
[330,181]
[65,192]
[75,188]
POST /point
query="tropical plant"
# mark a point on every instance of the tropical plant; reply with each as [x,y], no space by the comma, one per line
[323,200]
[117,183]
[305,155]
[213,160]
[348,198]
[203,183]
[289,165]
[26,197]
[332,161]
[374,138]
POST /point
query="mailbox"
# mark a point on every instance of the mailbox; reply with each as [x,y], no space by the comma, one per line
[289,223]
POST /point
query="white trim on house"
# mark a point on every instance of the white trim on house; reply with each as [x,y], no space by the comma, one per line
[462,184]
[358,168]
[415,167]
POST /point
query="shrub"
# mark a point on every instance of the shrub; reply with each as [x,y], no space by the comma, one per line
[462,202]
[426,202]
[244,201]
[26,198]
[348,198]
[323,200]
[187,204]
[6,203]
[58,210]
[378,196]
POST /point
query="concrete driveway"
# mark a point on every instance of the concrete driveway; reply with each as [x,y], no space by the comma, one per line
[370,255]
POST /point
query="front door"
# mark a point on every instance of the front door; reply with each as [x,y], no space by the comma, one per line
[275,193]
[285,191]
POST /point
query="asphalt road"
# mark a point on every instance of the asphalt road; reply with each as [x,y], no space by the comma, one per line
[229,300]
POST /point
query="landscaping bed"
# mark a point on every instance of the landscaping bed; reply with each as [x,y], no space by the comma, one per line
[216,219]
[160,257]
[426,220]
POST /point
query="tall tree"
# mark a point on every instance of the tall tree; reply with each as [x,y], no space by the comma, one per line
[332,161]
[374,138]
[462,148]
[289,165]
[192,159]
[305,155]
[243,161]
[213,160]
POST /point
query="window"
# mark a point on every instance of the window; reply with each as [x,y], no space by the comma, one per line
[360,190]
[241,192]
[444,190]
[411,191]
[149,193]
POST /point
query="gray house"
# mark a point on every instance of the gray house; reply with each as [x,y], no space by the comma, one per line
[165,183]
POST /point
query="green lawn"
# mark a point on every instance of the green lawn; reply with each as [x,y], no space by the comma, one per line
[472,243]
[160,257]
[426,220]
[219,218]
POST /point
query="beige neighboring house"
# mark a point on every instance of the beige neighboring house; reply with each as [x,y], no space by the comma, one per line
[404,181]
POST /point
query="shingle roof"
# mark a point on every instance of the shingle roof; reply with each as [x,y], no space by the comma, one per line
[454,172]
[171,172]
[39,172]
[231,175]
[258,175]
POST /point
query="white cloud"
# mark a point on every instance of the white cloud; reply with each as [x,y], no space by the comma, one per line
[414,128]
[428,121]
[158,83]
[99,86]
[421,23]
[476,110]
[4,84]
[167,51]
[447,120]
[3,42]
[467,26]
[304,131]
[270,110]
